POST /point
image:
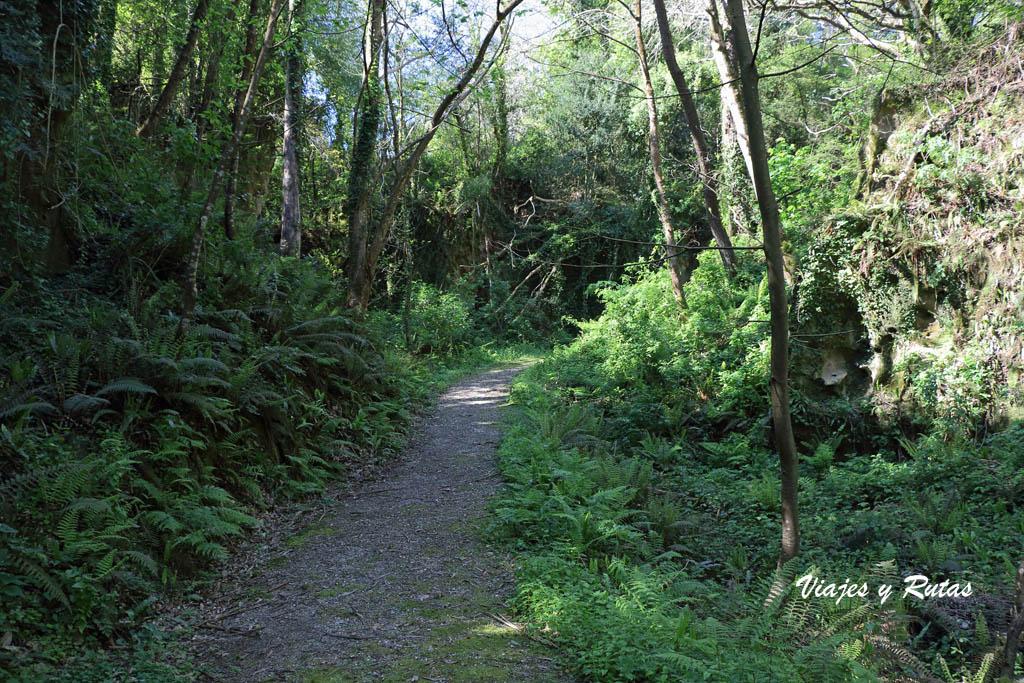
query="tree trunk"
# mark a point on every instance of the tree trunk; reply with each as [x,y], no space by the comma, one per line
[723,52]
[709,182]
[52,103]
[369,253]
[500,128]
[192,266]
[256,166]
[177,72]
[407,296]
[678,267]
[248,56]
[291,216]
[735,59]
[364,164]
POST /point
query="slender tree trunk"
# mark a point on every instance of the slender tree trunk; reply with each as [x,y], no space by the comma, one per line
[407,297]
[192,266]
[291,216]
[248,58]
[1016,627]
[213,68]
[369,250]
[728,169]
[177,72]
[724,56]
[678,267]
[709,181]
[500,126]
[397,138]
[467,157]
[498,172]
[364,163]
[734,46]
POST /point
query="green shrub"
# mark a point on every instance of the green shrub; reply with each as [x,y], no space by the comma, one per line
[439,322]
[136,448]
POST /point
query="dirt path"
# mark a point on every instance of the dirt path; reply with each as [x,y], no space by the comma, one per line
[393,583]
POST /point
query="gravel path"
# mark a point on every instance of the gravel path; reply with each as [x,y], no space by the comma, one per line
[393,583]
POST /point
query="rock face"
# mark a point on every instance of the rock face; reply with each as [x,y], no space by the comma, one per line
[927,266]
[833,367]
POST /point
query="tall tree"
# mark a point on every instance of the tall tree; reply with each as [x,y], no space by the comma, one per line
[679,267]
[708,178]
[291,216]
[248,60]
[52,95]
[177,72]
[192,265]
[736,60]
[363,169]
[366,242]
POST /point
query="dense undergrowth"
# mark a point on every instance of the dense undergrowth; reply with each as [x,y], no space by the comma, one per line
[642,484]
[138,448]
[644,496]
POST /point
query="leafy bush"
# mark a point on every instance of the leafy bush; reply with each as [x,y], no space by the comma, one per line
[136,447]
[642,492]
[608,568]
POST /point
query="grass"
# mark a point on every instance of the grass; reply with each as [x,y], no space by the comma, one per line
[303,538]
[341,589]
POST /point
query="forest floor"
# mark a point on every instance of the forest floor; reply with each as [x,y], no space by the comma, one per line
[391,581]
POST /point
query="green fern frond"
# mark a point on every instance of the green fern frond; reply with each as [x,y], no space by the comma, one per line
[67,527]
[900,655]
[982,673]
[162,521]
[68,484]
[851,650]
[203,381]
[105,565]
[237,517]
[216,334]
[946,673]
[42,579]
[82,405]
[142,560]
[126,385]
[850,618]
[210,407]
[201,363]
[781,582]
[90,504]
[982,638]
[212,551]
[30,408]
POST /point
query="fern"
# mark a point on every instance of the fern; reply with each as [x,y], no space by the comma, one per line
[126,385]
[900,656]
[781,582]
[141,560]
[82,405]
[30,408]
[42,579]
